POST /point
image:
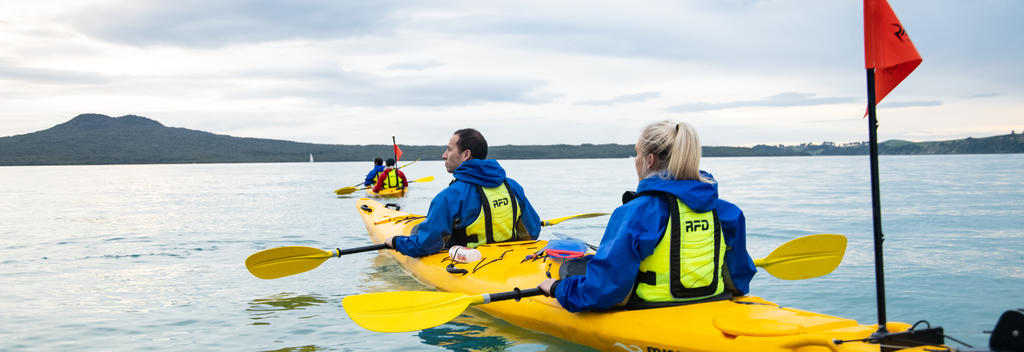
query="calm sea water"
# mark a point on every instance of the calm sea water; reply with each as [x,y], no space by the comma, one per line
[151,257]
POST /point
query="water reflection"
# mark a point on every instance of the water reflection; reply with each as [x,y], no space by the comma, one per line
[462,337]
[385,274]
[307,348]
[473,330]
[266,308]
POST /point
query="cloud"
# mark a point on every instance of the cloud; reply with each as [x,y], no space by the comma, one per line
[415,65]
[738,34]
[908,104]
[629,98]
[552,31]
[39,75]
[982,95]
[352,88]
[781,100]
[202,23]
[444,92]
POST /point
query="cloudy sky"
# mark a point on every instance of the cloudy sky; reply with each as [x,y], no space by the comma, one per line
[744,72]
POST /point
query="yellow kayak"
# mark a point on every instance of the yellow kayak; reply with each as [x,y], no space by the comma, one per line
[387,192]
[747,323]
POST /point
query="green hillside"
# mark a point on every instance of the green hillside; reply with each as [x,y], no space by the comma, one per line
[100,139]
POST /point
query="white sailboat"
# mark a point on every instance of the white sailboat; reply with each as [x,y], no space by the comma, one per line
[310,157]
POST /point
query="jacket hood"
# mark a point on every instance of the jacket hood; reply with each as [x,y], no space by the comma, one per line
[486,173]
[699,196]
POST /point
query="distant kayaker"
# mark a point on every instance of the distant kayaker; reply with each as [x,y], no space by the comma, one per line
[371,177]
[480,206]
[672,242]
[391,177]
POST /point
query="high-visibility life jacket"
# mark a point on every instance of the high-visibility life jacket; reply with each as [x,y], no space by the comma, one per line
[498,219]
[688,264]
[392,180]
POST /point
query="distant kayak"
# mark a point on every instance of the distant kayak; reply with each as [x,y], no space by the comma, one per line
[388,192]
[747,323]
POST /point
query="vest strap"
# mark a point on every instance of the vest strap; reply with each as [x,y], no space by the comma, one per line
[488,228]
[647,277]
[515,212]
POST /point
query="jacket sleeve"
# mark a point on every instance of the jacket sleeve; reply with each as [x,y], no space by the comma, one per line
[530,220]
[429,237]
[629,238]
[741,266]
[369,177]
[401,175]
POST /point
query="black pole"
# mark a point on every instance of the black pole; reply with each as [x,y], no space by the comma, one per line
[393,144]
[876,204]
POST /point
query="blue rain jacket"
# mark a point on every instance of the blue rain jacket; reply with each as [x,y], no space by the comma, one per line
[459,205]
[369,177]
[634,230]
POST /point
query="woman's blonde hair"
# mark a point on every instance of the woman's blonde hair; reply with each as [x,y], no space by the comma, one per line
[676,149]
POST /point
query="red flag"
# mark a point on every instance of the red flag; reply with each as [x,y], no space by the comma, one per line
[398,153]
[887,48]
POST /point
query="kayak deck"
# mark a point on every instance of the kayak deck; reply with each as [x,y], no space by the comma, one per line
[746,323]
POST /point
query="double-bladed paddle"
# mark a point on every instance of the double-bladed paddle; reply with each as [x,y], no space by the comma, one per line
[357,185]
[347,190]
[801,258]
[284,261]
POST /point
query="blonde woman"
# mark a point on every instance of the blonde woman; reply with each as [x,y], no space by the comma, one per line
[672,242]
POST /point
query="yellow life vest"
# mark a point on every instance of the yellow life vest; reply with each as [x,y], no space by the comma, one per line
[499,216]
[392,180]
[688,262]
[376,175]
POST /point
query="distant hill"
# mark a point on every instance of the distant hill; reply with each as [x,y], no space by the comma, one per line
[101,139]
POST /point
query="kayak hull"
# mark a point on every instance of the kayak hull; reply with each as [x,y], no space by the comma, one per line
[387,192]
[748,323]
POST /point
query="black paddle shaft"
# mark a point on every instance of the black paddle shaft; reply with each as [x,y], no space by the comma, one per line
[375,247]
[516,294]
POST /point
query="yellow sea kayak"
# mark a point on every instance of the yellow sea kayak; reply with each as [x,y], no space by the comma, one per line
[387,192]
[748,323]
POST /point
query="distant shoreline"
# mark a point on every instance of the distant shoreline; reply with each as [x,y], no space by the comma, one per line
[93,139]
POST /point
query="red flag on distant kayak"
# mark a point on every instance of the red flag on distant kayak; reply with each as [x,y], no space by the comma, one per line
[887,48]
[398,152]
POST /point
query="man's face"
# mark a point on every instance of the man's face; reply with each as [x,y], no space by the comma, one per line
[453,157]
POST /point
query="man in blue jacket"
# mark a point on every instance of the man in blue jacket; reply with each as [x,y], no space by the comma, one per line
[480,206]
[371,177]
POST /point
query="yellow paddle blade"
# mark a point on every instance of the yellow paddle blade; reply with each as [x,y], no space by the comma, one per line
[805,257]
[283,261]
[424,179]
[344,190]
[406,311]
[578,216]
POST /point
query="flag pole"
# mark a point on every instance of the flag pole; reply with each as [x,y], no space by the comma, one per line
[876,204]
[393,143]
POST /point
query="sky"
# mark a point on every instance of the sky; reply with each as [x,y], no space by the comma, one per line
[743,72]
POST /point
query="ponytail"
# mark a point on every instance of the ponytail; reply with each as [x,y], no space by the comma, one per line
[676,149]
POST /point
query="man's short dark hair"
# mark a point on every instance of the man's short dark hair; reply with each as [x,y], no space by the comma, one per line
[378,161]
[391,162]
[472,140]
